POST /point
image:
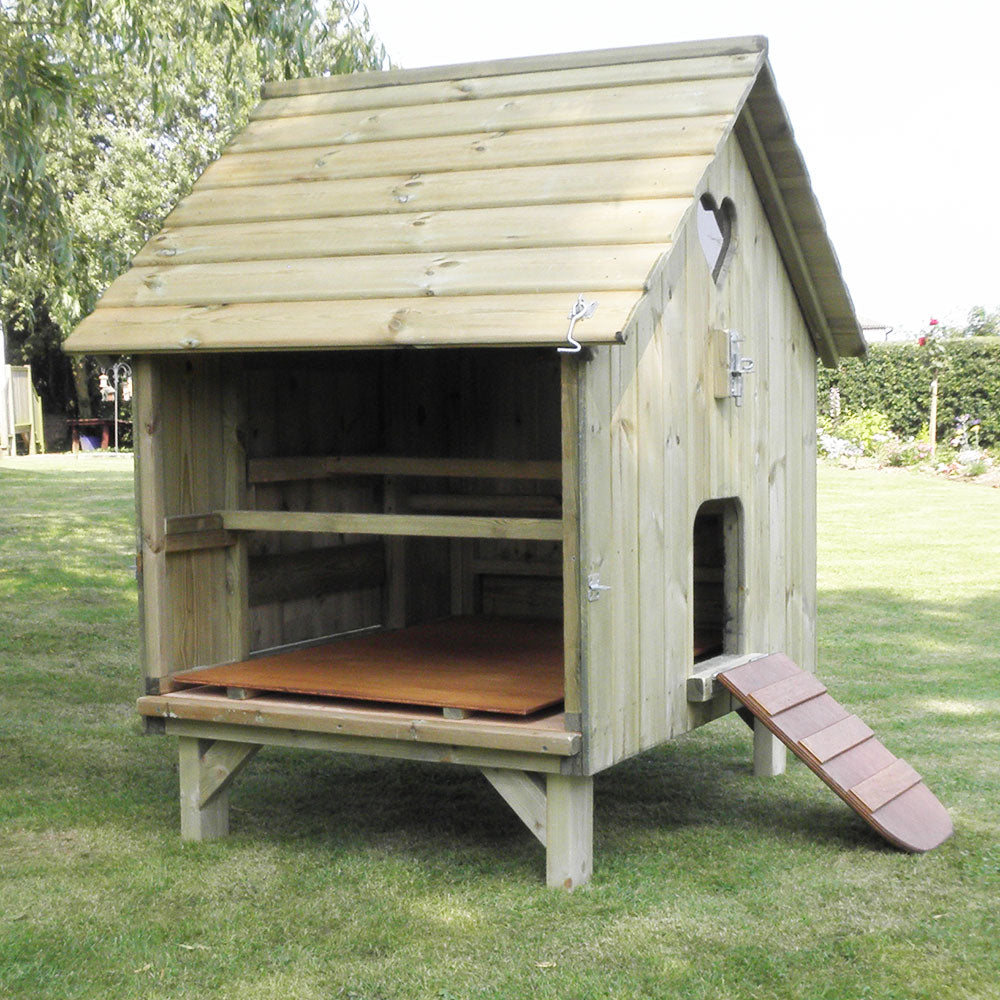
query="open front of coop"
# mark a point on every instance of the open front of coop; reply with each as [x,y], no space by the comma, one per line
[403,531]
[361,551]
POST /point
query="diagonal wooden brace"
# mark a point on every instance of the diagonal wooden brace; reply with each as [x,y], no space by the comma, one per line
[524,792]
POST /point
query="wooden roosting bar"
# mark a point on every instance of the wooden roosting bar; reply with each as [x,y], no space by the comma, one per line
[540,544]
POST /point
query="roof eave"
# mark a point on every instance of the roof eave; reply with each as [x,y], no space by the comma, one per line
[768,143]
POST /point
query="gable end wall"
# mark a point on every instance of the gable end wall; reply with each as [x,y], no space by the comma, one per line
[655,444]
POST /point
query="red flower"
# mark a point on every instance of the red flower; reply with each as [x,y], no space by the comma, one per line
[934,322]
[922,341]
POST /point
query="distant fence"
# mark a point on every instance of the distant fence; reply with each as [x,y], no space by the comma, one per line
[20,411]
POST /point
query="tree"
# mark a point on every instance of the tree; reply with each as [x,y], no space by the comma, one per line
[982,323]
[108,111]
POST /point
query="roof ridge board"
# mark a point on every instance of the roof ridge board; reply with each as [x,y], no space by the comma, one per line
[608,106]
[738,45]
[520,84]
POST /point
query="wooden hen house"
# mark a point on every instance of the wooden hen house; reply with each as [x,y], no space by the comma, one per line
[403,490]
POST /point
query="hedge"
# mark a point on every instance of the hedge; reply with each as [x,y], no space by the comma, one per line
[895,380]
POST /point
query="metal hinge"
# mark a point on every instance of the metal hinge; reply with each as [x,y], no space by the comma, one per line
[595,587]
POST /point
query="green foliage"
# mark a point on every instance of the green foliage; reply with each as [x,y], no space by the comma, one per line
[895,380]
[865,428]
[109,110]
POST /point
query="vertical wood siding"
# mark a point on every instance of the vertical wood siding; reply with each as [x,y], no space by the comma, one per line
[656,444]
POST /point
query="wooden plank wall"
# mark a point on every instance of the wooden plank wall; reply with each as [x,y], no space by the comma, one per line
[430,404]
[306,404]
[189,460]
[656,444]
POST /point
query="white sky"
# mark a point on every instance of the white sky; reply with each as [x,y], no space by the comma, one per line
[896,107]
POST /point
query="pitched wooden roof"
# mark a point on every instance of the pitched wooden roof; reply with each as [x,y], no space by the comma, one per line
[465,205]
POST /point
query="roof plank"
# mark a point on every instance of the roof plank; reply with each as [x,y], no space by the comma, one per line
[561,183]
[498,320]
[491,272]
[617,142]
[589,224]
[511,84]
[580,107]
[733,47]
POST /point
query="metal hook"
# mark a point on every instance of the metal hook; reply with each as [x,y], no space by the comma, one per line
[582,309]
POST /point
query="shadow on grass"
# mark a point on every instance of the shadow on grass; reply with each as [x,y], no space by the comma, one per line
[906,668]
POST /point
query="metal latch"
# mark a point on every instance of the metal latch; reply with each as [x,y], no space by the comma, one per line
[595,587]
[738,367]
[581,310]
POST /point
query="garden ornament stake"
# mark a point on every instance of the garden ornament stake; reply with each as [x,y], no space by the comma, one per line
[120,372]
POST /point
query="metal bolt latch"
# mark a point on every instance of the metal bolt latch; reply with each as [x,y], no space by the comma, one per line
[738,367]
[581,310]
[595,587]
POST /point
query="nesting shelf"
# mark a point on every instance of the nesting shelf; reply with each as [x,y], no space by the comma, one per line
[467,663]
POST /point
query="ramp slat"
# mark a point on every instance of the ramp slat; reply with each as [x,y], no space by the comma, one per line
[788,693]
[884,791]
[836,739]
[757,674]
[858,763]
[811,716]
[887,784]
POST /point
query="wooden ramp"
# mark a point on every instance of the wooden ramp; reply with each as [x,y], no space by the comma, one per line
[884,791]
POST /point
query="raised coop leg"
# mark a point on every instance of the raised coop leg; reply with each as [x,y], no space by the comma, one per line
[207,768]
[569,848]
[559,811]
[768,752]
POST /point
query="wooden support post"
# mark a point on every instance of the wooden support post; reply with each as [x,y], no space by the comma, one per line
[569,824]
[394,589]
[768,752]
[207,769]
[932,423]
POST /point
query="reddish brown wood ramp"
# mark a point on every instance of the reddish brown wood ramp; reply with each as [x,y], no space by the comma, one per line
[883,790]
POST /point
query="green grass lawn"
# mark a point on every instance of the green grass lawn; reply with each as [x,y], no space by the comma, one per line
[372,879]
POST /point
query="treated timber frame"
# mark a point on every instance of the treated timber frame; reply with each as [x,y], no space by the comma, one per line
[464,208]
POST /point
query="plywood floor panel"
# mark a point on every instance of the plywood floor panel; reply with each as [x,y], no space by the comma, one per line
[479,664]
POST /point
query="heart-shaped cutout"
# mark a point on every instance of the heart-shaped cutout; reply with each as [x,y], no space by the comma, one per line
[716,231]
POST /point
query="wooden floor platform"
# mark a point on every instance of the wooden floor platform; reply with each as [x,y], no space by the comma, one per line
[883,790]
[474,664]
